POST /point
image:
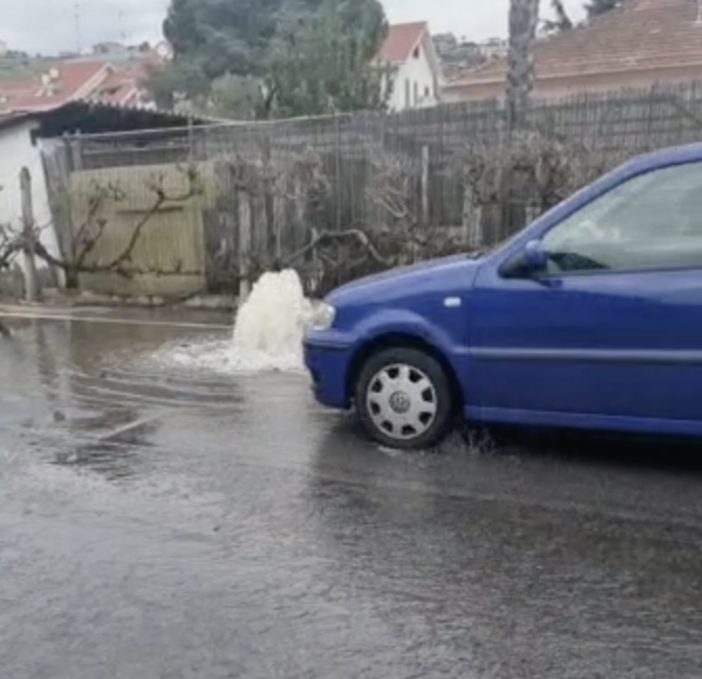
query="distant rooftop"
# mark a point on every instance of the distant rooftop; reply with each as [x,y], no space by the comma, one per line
[401,41]
[638,35]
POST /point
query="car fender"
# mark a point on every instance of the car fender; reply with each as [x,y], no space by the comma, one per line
[402,322]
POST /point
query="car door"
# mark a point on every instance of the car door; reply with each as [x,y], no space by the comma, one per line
[613,327]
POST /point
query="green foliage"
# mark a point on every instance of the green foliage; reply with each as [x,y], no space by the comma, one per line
[323,63]
[179,78]
[273,58]
[227,36]
[236,97]
[597,7]
[19,65]
[560,21]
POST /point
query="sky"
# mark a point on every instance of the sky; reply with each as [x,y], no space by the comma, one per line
[50,26]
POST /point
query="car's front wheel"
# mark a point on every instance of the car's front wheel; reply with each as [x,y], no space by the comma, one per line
[404,399]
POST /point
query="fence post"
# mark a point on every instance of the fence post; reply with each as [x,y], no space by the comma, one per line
[423,197]
[425,185]
[29,246]
[76,149]
[244,245]
[471,218]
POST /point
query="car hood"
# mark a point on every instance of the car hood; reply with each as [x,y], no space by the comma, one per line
[434,274]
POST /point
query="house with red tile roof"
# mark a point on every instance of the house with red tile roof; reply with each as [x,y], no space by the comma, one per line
[67,81]
[123,87]
[638,44]
[409,53]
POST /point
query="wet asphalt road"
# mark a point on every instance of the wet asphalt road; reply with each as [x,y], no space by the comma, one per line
[159,521]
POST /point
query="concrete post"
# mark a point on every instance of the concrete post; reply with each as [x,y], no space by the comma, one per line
[28,232]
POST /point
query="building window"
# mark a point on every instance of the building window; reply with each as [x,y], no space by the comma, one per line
[416,93]
[427,92]
[415,54]
[408,96]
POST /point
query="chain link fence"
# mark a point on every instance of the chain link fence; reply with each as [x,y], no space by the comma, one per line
[340,196]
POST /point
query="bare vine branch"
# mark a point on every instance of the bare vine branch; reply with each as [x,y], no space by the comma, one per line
[95,222]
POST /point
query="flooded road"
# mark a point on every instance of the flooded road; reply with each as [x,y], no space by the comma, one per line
[164,520]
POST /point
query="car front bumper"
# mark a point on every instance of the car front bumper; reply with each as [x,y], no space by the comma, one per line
[328,362]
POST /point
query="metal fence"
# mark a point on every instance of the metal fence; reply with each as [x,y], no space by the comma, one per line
[279,184]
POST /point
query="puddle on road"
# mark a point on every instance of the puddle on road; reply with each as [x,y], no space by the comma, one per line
[58,365]
[106,398]
[145,403]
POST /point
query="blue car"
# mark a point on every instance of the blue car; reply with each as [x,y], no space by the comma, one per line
[591,317]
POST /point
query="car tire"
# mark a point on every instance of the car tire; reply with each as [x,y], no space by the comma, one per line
[404,399]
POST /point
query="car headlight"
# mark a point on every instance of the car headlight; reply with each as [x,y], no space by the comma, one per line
[322,316]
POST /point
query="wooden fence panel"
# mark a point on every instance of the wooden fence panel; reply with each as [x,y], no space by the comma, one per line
[168,258]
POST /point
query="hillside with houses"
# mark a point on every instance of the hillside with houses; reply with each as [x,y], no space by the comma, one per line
[110,73]
[631,43]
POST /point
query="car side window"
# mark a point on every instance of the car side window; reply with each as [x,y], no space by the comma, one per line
[651,221]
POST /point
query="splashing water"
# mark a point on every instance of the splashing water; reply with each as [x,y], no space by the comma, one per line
[268,331]
[271,323]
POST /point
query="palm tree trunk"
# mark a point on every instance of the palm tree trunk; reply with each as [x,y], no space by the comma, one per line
[523,23]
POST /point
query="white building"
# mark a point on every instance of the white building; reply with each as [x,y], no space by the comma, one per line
[19,148]
[415,69]
[4,49]
[164,50]
[28,138]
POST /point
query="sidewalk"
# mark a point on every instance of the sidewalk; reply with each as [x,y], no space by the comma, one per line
[180,317]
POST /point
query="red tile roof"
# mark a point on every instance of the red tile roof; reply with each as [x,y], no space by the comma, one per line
[638,35]
[401,41]
[72,81]
[121,87]
[86,80]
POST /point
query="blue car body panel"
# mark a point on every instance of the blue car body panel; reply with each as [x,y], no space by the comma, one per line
[379,306]
[611,351]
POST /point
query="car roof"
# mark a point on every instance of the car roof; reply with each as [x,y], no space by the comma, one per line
[672,155]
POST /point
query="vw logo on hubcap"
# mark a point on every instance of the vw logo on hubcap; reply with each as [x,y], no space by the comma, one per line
[399,402]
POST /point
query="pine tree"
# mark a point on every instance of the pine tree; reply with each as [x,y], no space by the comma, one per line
[273,58]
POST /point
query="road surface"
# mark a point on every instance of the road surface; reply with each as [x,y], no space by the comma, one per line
[164,520]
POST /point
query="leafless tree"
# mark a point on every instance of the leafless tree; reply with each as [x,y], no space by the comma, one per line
[396,232]
[266,184]
[10,245]
[533,170]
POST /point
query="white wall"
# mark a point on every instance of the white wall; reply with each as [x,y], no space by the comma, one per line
[414,84]
[16,152]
